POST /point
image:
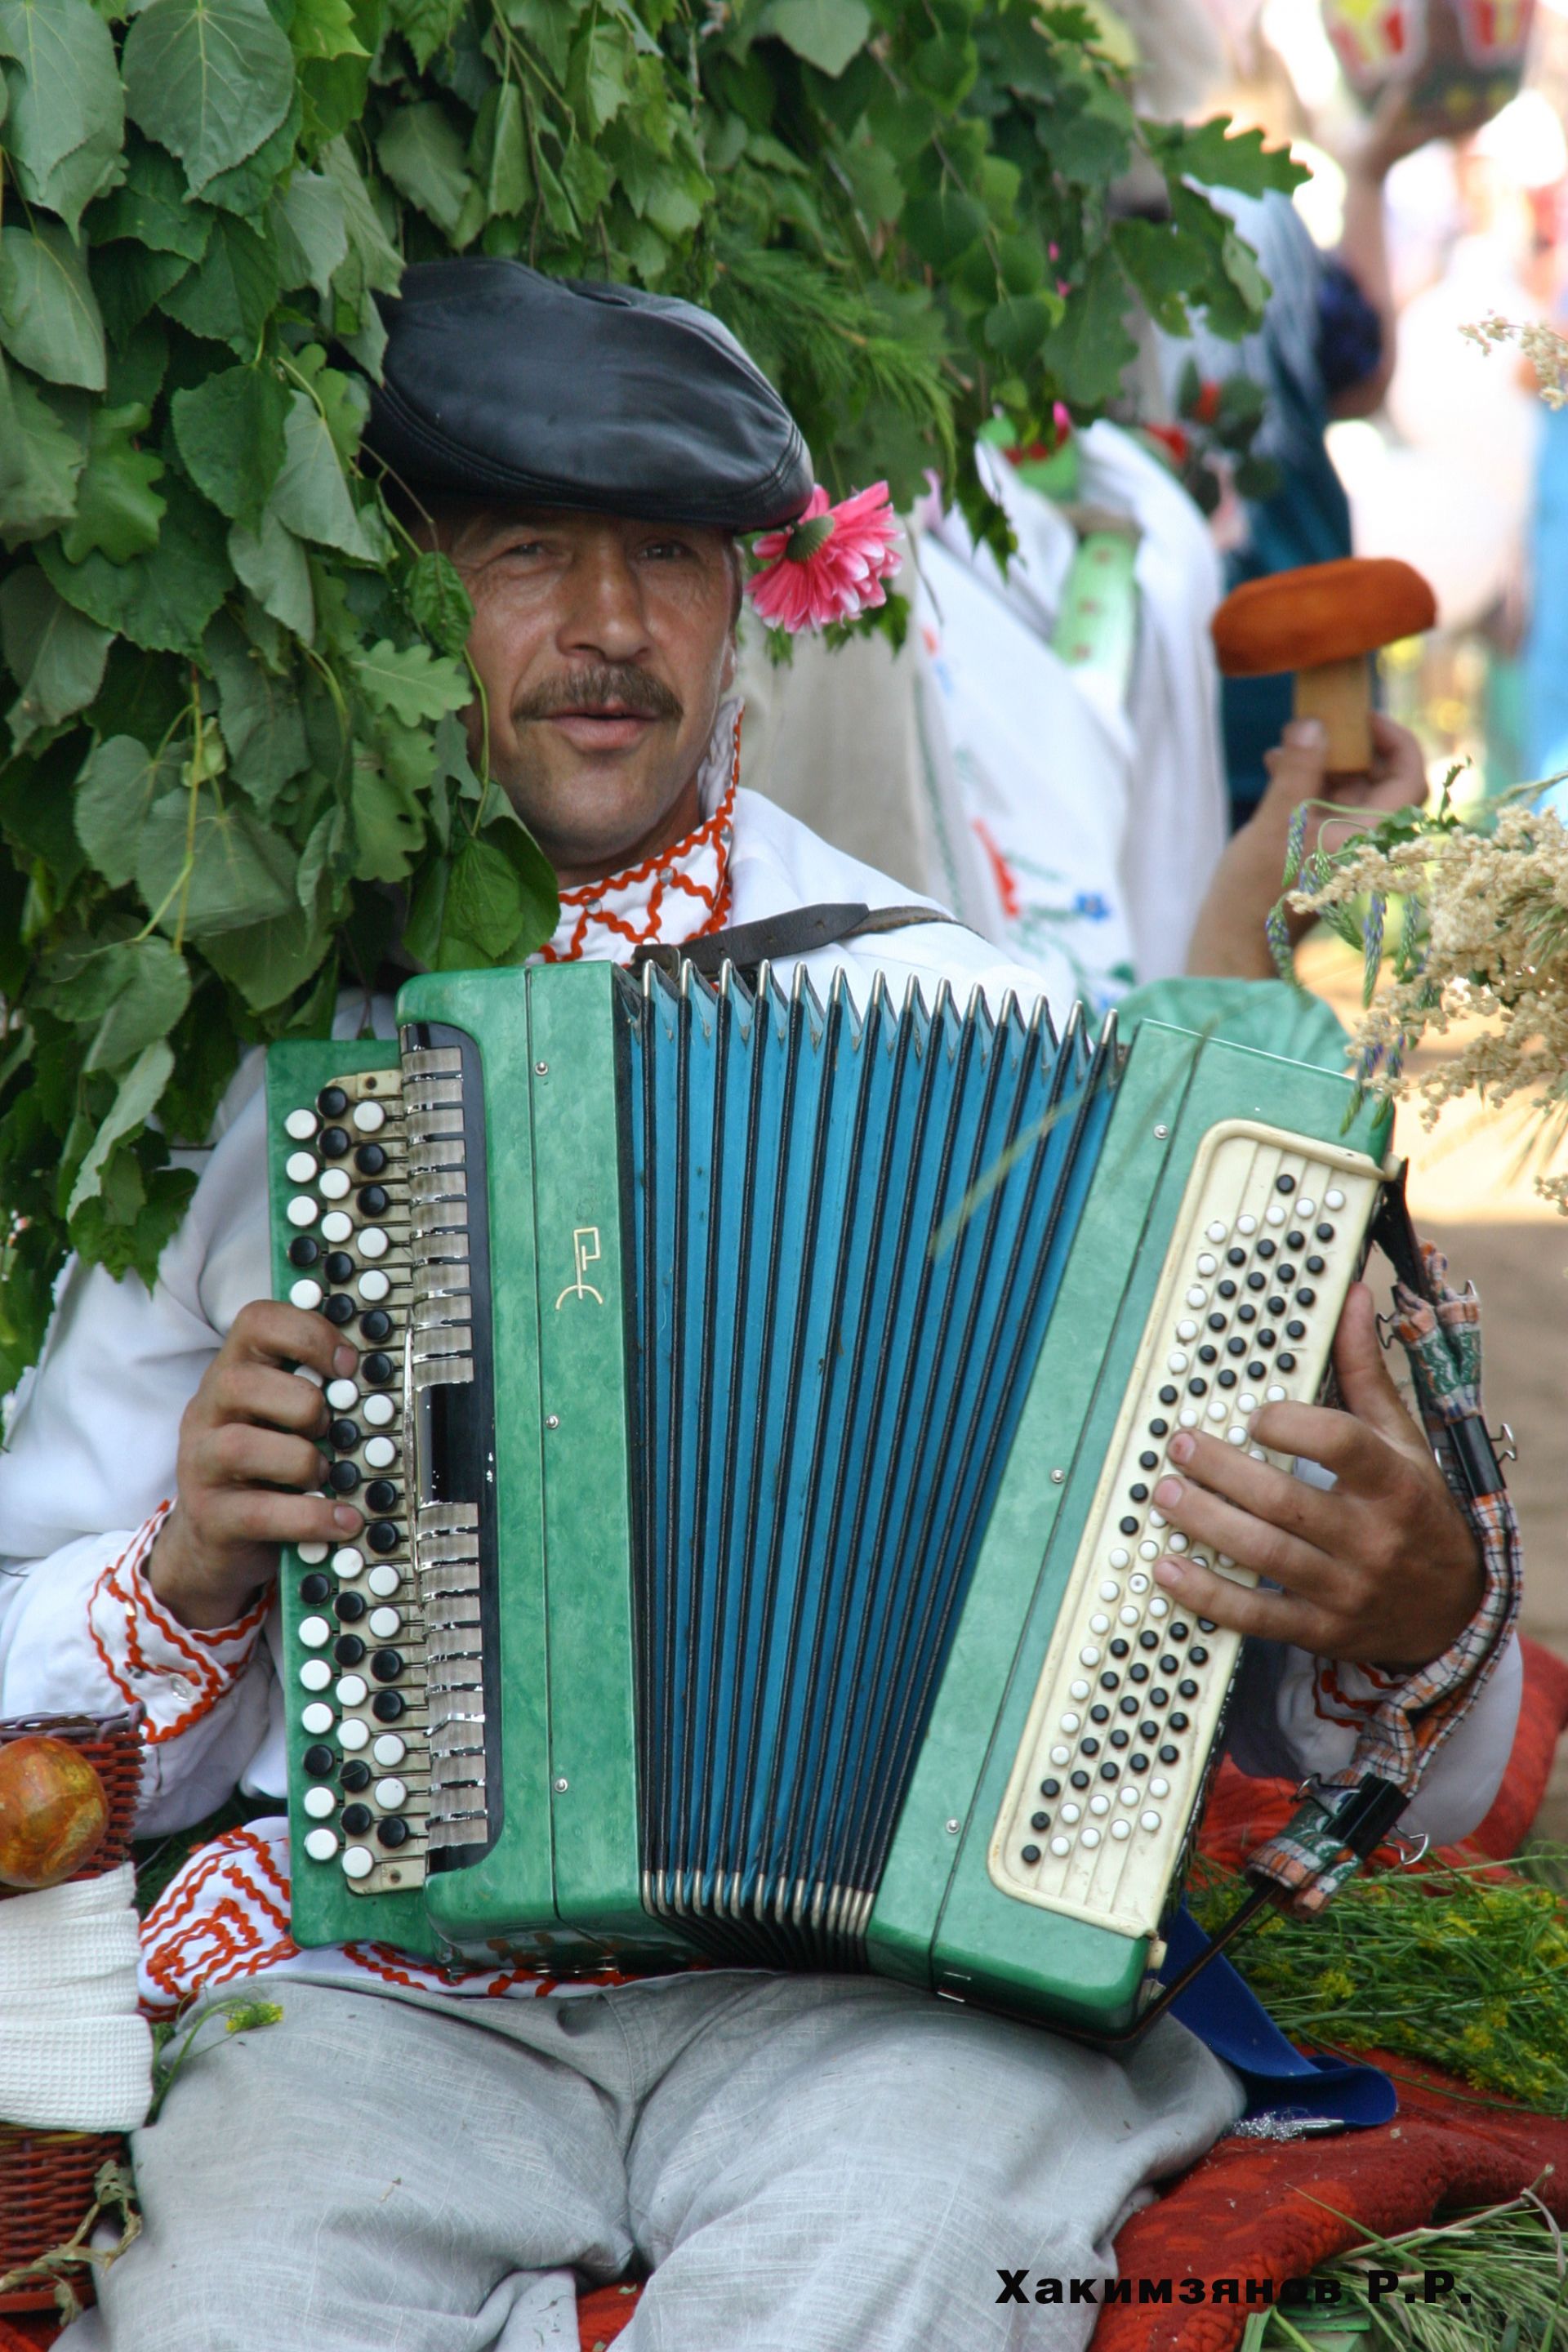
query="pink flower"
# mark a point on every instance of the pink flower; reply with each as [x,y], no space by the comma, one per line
[830,564]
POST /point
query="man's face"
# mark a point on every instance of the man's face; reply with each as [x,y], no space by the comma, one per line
[604,647]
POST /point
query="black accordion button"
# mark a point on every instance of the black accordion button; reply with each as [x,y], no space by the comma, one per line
[303,1251]
[1247,1313]
[1148,1462]
[381,1536]
[1206,1625]
[1128,1526]
[1296,1329]
[1257,1372]
[1227,1288]
[348,1649]
[1187,1689]
[1178,1631]
[345,1435]
[1147,1639]
[315,1587]
[332,1142]
[1277,1305]
[1118,1648]
[1050,1788]
[376,1367]
[380,1495]
[1160,1696]
[1130,1706]
[1139,1763]
[340,1266]
[1236,1347]
[1170,1755]
[1208,1353]
[1293,1241]
[386,1665]
[1031,1854]
[1168,1395]
[1306,1297]
[1283,1184]
[1322,1232]
[1266,1248]
[1316,1264]
[1178,1722]
[1139,1494]
[1039,1821]
[1228,1378]
[1149,1729]
[355,1775]
[1080,1779]
[1217,1322]
[357,1818]
[342,1477]
[1287,1273]
[1263,1338]
[1138,1671]
[1100,1714]
[1109,1771]
[1120,1739]
[1286,1362]
[394,1831]
[1158,1429]
[1091,1747]
[1256,1281]
[386,1705]
[349,1608]
[339,1309]
[370,1160]
[319,1762]
[1236,1256]
[1198,1655]
[331,1102]
[374,1199]
[1198,1388]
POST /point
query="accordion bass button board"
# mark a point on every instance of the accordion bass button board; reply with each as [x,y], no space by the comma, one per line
[757,1416]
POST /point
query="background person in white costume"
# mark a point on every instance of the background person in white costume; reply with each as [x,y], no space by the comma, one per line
[805,2162]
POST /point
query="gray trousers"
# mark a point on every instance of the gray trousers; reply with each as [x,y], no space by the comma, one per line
[806,2164]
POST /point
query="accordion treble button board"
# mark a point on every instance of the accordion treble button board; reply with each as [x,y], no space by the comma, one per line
[1113,1760]
[356,1666]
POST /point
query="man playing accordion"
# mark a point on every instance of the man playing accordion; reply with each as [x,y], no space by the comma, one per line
[432,2157]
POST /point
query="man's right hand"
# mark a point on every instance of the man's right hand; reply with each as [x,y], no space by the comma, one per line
[248,1464]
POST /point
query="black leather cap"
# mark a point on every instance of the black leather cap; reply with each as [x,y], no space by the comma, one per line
[500,382]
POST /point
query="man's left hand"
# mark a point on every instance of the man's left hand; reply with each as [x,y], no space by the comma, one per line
[1380,1570]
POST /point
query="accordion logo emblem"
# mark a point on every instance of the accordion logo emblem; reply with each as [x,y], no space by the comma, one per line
[585,1253]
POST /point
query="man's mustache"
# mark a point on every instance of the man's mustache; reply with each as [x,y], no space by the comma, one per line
[606,687]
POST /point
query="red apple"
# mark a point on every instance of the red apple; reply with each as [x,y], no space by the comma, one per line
[54,1814]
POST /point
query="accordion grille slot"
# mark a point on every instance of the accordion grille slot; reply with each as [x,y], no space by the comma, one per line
[829,1345]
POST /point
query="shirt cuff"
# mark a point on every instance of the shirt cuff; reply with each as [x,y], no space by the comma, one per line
[177,1674]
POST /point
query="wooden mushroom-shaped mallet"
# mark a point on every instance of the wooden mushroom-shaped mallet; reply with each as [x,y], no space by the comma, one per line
[1324,622]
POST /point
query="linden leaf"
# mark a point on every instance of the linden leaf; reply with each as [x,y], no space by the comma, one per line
[228,428]
[220,872]
[439,601]
[40,461]
[325,28]
[127,992]
[273,566]
[56,656]
[66,116]
[309,227]
[49,318]
[484,907]
[423,156]
[311,497]
[150,206]
[118,781]
[163,600]
[209,80]
[260,715]
[133,1105]
[411,682]
[118,509]
[229,297]
[826,33]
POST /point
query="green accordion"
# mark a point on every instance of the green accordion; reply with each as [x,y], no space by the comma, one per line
[757,1411]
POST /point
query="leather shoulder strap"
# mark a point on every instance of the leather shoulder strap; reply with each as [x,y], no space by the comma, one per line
[777,936]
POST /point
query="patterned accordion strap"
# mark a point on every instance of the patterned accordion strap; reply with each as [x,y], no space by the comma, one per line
[1439,1330]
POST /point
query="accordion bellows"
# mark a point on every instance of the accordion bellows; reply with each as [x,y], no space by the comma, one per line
[759,1405]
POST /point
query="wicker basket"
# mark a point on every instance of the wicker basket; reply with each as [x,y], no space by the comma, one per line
[45,2178]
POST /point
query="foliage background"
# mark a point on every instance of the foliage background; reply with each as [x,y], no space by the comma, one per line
[233,775]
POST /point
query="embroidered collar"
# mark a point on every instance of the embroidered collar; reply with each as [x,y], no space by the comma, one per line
[682,894]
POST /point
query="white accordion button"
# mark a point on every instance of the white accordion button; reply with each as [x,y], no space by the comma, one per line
[1071,1723]
[305,1292]
[319,1803]
[336,1227]
[384,1581]
[315,1675]
[389,1750]
[353,1691]
[1147,1550]
[1159,1606]
[299,1167]
[1159,1788]
[1197,1296]
[1139,1583]
[354,1734]
[383,1624]
[1129,1796]
[1306,1208]
[373,1285]
[315,1633]
[299,1126]
[380,1452]
[1207,1264]
[316,1719]
[391,1796]
[347,1562]
[1334,1199]
[1109,1589]
[369,1116]
[301,1210]
[313,1554]
[1089,1655]
[1100,1804]
[1273,1215]
[1177,1541]
[378,1409]
[1061,1756]
[321,1844]
[1099,1623]
[1157,1518]
[1247,1225]
[1148,1820]
[1186,1329]
[1072,1813]
[1188,1416]
[1236,1434]
[358,1862]
[1247,1404]
[1090,1837]
[1079,1690]
[1217,1231]
[1175,1361]
[1120,1829]
[1217,1408]
[1061,1845]
[371,1241]
[341,1395]
[1274,1396]
[335,1184]
[1129,1615]
[1120,1556]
